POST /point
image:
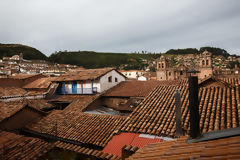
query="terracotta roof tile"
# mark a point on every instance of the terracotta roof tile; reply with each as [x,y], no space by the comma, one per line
[218,107]
[231,80]
[136,88]
[8,109]
[225,148]
[12,91]
[40,104]
[78,126]
[86,74]
[40,83]
[23,76]
[13,146]
[130,139]
[84,150]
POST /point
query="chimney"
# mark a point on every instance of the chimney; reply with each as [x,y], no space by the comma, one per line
[128,150]
[193,107]
[178,113]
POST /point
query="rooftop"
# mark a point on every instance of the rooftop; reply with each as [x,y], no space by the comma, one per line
[87,74]
[23,76]
[80,127]
[218,109]
[13,146]
[136,88]
[225,148]
[40,83]
[12,91]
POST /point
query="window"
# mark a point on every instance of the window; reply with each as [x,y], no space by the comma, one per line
[169,73]
[159,65]
[203,62]
[162,65]
[116,80]
[110,79]
[206,62]
[181,73]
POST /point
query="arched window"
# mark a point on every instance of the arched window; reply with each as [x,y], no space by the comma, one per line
[207,62]
[162,65]
[203,62]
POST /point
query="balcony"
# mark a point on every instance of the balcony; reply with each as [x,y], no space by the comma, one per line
[77,90]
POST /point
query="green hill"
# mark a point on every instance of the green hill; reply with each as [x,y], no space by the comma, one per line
[28,52]
[213,50]
[90,59]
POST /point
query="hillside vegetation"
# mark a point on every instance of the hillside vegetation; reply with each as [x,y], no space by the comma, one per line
[89,59]
[28,52]
[213,50]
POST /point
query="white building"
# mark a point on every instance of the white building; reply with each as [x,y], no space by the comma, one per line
[89,81]
[132,74]
[142,78]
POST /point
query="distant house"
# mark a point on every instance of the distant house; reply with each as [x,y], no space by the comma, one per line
[132,74]
[89,81]
[142,78]
[14,58]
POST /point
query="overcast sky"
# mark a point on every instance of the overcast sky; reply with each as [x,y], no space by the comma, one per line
[121,25]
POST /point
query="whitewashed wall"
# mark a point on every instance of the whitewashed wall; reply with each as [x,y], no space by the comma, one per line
[105,85]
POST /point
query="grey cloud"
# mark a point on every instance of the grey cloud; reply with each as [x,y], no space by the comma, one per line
[120,26]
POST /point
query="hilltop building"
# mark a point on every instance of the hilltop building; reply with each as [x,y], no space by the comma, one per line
[166,71]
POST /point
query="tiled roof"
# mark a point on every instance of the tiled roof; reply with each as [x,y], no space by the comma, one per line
[9,108]
[77,102]
[219,109]
[6,92]
[213,82]
[88,74]
[87,151]
[13,146]
[232,80]
[23,76]
[34,93]
[40,104]
[80,103]
[77,126]
[136,88]
[225,148]
[69,98]
[134,139]
[40,83]
[12,91]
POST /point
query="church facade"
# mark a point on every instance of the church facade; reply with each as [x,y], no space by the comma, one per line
[165,70]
